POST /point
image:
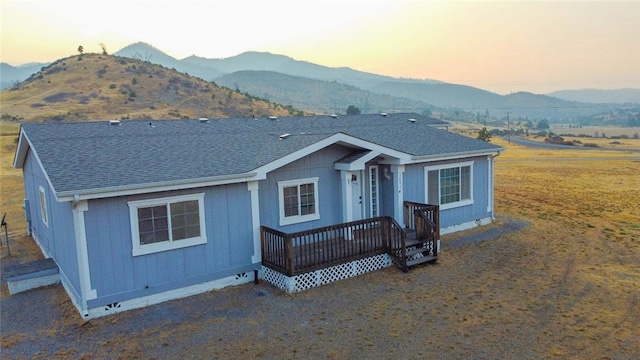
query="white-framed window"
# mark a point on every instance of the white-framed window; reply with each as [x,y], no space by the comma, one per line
[43,206]
[449,185]
[373,187]
[298,200]
[167,223]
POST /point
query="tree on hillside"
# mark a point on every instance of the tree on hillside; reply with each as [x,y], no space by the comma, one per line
[352,110]
[484,135]
[80,49]
[104,49]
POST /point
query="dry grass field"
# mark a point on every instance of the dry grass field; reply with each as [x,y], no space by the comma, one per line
[565,287]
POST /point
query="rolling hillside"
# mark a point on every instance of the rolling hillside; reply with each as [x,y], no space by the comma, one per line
[316,95]
[97,87]
[313,88]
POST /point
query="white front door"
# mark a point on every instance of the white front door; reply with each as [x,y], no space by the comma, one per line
[356,195]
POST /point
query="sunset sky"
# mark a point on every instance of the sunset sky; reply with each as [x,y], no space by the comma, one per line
[504,46]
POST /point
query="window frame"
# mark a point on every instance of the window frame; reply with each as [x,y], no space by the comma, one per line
[144,249]
[439,168]
[44,213]
[295,219]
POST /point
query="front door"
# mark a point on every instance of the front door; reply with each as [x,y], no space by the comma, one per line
[356,195]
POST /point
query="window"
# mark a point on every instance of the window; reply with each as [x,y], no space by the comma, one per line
[373,182]
[167,223]
[298,201]
[43,206]
[450,186]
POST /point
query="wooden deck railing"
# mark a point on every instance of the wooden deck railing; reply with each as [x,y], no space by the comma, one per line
[432,212]
[304,251]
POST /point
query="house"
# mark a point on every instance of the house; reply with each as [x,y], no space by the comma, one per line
[138,212]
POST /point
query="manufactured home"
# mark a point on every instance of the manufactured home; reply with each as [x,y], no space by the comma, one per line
[138,212]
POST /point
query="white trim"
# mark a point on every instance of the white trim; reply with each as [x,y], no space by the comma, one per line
[347,194]
[358,164]
[254,188]
[466,225]
[43,202]
[490,185]
[138,189]
[262,171]
[288,220]
[373,196]
[168,295]
[463,202]
[398,196]
[139,249]
[84,272]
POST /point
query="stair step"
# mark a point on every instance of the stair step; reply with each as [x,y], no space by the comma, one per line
[421,260]
[415,251]
[413,242]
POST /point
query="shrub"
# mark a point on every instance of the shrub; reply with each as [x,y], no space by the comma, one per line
[112,86]
[590,145]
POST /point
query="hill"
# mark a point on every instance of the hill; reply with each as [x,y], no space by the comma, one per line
[97,87]
[599,96]
[318,88]
[11,75]
[316,95]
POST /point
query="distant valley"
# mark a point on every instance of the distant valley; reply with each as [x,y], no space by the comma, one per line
[309,87]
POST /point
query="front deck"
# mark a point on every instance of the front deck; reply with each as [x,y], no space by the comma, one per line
[380,238]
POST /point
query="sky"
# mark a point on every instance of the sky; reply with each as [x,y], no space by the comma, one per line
[500,46]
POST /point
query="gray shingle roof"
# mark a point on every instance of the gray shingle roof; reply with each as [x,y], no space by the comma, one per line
[94,155]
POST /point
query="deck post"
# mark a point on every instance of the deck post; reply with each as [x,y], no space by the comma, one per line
[288,253]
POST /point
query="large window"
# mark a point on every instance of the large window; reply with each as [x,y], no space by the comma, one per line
[298,201]
[43,206]
[167,223]
[450,186]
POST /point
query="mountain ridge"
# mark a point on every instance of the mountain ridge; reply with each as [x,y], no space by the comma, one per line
[416,94]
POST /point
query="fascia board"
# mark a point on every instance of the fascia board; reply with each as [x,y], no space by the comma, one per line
[338,138]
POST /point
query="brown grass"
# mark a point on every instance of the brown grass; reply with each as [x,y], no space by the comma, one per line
[100,87]
[567,286]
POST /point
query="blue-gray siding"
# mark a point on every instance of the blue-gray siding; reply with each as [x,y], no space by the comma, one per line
[415,190]
[60,221]
[319,164]
[118,276]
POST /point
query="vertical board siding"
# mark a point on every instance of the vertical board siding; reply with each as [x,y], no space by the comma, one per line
[58,239]
[116,273]
[414,188]
[319,164]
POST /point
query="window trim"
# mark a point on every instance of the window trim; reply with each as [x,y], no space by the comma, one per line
[44,213]
[144,249]
[289,220]
[451,205]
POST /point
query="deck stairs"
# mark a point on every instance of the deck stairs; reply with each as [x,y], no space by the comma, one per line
[417,251]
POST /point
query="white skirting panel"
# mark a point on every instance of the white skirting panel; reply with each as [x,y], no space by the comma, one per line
[291,284]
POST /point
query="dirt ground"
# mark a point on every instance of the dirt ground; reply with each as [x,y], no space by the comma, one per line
[558,276]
